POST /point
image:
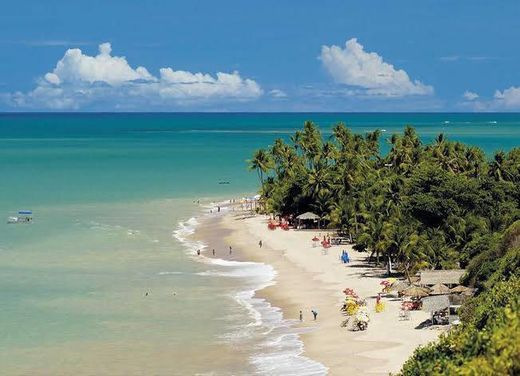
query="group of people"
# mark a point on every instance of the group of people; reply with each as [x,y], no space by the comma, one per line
[314,314]
[213,251]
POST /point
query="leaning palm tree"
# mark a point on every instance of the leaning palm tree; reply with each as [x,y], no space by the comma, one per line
[262,163]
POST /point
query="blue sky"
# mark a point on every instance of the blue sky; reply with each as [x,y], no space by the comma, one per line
[429,55]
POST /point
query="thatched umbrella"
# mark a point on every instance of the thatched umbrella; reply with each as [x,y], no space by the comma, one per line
[439,289]
[399,286]
[416,291]
[462,290]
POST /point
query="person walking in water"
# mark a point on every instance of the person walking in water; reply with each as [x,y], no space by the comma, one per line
[198,252]
[260,244]
[213,251]
[315,314]
[301,316]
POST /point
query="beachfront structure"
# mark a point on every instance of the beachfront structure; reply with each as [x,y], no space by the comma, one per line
[438,306]
[446,277]
[309,217]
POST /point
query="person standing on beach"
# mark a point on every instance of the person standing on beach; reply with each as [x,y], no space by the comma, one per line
[260,244]
[301,316]
[230,250]
[198,252]
[213,251]
[315,314]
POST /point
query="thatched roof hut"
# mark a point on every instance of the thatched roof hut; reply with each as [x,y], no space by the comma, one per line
[435,303]
[308,216]
[446,277]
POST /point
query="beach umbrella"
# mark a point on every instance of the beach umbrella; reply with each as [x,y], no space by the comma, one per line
[315,239]
[399,286]
[439,289]
[416,291]
[462,290]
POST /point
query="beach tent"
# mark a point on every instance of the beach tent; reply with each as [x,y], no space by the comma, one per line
[439,289]
[308,216]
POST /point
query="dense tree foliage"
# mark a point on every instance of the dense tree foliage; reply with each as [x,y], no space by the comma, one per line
[435,206]
[488,341]
[421,206]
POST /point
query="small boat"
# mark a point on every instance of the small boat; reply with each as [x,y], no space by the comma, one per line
[223,182]
[24,216]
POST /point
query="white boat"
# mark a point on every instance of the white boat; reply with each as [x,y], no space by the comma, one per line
[24,216]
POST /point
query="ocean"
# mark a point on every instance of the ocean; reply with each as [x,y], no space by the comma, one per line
[104,280]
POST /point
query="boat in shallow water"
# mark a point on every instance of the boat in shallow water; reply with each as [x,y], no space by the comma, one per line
[24,216]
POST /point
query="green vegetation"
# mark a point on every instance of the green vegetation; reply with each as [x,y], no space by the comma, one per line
[436,206]
[488,341]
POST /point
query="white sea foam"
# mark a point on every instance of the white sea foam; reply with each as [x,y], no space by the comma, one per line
[183,231]
[274,344]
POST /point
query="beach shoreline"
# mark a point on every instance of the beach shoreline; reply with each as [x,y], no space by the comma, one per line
[309,278]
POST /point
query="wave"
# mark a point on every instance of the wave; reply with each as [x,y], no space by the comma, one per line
[182,233]
[274,344]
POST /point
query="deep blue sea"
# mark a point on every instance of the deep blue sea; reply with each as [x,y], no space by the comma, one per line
[114,199]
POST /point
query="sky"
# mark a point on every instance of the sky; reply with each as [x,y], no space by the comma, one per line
[167,55]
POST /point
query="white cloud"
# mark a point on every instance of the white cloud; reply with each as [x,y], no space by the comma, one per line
[508,98]
[505,100]
[79,79]
[277,93]
[354,66]
[469,95]
[112,70]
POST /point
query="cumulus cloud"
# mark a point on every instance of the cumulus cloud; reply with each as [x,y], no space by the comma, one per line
[79,79]
[508,98]
[505,100]
[354,66]
[469,95]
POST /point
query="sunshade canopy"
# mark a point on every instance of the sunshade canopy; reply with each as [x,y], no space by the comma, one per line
[461,289]
[416,291]
[308,215]
[439,289]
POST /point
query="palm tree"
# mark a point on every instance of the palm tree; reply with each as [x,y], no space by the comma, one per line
[262,163]
[497,168]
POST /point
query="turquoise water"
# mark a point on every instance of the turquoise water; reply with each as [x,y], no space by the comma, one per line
[111,195]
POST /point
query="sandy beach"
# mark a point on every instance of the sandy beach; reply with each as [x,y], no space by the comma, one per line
[309,278]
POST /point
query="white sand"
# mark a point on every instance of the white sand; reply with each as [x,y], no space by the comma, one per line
[309,279]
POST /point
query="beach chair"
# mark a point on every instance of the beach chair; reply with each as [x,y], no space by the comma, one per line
[404,314]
